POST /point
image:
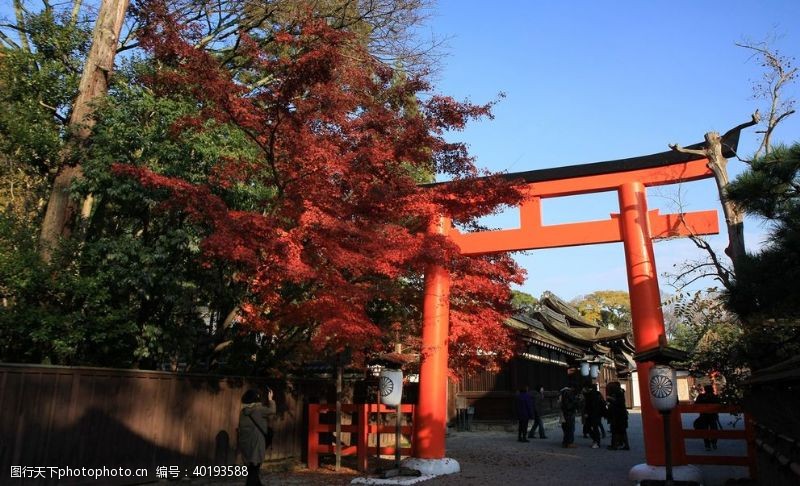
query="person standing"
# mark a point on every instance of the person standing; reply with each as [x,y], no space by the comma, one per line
[617,416]
[538,403]
[524,409]
[594,409]
[253,430]
[708,420]
[567,403]
[582,410]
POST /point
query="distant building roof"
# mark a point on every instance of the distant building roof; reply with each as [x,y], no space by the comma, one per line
[555,324]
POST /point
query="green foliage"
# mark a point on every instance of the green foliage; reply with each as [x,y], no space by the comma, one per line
[718,342]
[133,291]
[522,302]
[713,336]
[46,313]
[148,252]
[609,308]
[37,89]
[754,324]
[764,287]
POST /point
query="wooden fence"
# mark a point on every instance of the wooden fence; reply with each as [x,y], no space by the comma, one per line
[366,422]
[139,420]
[773,403]
[747,435]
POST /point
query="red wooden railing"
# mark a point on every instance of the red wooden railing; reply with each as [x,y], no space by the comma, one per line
[361,430]
[748,435]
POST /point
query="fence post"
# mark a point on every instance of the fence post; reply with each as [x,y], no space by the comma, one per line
[408,409]
[681,449]
[750,433]
[313,436]
[363,436]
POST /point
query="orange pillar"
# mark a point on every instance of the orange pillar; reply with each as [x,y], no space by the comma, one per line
[431,410]
[648,320]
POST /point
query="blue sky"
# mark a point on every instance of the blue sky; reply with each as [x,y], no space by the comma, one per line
[588,81]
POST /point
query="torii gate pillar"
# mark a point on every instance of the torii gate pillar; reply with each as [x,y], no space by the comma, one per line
[431,413]
[646,314]
[432,404]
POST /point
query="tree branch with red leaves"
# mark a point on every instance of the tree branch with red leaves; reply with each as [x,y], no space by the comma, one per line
[340,138]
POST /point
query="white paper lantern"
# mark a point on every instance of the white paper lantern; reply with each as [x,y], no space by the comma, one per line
[594,370]
[584,368]
[663,387]
[391,385]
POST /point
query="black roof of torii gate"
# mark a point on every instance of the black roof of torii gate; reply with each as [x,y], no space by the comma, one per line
[730,143]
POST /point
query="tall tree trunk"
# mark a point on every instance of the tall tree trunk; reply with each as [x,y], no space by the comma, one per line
[59,218]
[734,215]
[19,12]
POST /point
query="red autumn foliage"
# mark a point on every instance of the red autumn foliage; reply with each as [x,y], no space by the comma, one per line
[339,137]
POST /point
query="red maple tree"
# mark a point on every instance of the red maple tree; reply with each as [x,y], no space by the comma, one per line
[339,138]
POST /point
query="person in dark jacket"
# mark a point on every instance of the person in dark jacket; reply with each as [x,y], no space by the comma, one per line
[595,409]
[253,424]
[538,406]
[524,409]
[708,420]
[568,404]
[617,416]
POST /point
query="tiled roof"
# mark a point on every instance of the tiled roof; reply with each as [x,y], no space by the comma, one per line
[536,332]
[556,325]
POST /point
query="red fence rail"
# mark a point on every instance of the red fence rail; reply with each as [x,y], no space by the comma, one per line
[361,428]
[748,435]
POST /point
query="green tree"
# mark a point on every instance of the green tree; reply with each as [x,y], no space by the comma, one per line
[38,81]
[770,189]
[713,337]
[609,308]
[523,302]
[718,342]
[753,323]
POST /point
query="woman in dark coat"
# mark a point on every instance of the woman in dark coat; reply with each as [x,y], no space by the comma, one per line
[617,416]
[253,424]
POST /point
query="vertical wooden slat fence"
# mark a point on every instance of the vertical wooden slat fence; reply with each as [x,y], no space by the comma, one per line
[95,417]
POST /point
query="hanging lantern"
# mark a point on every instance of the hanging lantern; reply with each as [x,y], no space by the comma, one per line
[594,370]
[391,386]
[663,388]
[584,368]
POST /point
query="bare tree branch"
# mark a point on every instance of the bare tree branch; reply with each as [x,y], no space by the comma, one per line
[8,41]
[734,216]
[62,118]
[779,74]
[678,148]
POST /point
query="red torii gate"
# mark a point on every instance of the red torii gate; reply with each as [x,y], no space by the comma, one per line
[634,226]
